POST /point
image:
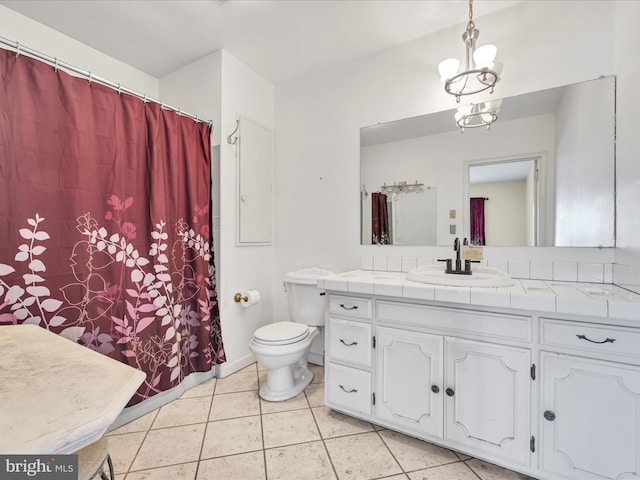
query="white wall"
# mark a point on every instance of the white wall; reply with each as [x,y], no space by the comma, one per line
[244,93]
[221,88]
[196,88]
[34,35]
[318,119]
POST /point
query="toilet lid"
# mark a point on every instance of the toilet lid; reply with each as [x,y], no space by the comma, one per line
[281,333]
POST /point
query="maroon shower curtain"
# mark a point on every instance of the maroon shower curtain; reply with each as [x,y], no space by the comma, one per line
[477,221]
[379,219]
[105,223]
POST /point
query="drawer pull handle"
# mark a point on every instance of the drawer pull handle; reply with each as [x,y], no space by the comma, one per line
[353,307]
[353,390]
[449,392]
[435,389]
[348,344]
[608,340]
[549,415]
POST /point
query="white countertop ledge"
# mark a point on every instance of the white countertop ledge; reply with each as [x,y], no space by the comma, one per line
[57,396]
[586,299]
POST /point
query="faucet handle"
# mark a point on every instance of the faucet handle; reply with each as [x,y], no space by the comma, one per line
[449,267]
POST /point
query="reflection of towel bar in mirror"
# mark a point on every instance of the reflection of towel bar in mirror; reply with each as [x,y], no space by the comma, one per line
[403,186]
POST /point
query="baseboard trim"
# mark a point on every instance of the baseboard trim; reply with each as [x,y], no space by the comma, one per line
[316,359]
[136,411]
[227,368]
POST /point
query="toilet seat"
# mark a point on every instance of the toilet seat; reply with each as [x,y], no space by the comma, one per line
[281,333]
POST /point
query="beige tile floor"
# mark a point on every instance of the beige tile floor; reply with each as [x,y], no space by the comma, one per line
[222,430]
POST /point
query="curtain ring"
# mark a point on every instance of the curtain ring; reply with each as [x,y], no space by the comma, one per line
[55,66]
[144,99]
[119,89]
[161,105]
[90,78]
[17,49]
[179,112]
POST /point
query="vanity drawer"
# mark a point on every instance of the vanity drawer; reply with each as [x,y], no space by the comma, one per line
[350,306]
[458,322]
[348,388]
[590,337]
[349,342]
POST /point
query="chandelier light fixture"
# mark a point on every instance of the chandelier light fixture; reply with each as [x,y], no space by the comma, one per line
[481,71]
[477,115]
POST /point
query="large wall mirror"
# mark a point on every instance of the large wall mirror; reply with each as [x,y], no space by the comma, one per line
[543,175]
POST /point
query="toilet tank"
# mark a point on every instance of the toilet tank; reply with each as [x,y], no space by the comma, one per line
[306,305]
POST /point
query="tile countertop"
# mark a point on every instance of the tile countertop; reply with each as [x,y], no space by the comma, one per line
[544,296]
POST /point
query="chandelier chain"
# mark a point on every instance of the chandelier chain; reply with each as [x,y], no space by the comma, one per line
[480,72]
[471,25]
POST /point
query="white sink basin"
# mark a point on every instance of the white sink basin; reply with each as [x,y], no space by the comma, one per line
[480,277]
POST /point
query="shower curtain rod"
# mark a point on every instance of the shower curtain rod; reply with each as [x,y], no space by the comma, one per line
[54,62]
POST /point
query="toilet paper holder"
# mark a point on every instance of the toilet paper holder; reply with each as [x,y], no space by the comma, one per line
[248,298]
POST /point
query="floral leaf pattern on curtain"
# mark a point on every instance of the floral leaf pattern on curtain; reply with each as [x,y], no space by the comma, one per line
[106,234]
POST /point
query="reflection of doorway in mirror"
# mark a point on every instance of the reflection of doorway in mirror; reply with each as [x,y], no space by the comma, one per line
[412,217]
[510,190]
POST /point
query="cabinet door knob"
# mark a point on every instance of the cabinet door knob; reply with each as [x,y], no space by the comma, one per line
[450,392]
[435,389]
[549,415]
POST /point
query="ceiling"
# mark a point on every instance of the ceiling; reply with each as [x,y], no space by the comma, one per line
[512,171]
[280,39]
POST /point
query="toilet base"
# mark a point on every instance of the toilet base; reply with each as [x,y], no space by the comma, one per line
[282,384]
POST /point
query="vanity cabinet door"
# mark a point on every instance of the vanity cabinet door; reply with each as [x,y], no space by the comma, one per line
[487,404]
[409,379]
[590,418]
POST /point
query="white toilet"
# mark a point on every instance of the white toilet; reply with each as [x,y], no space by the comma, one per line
[282,347]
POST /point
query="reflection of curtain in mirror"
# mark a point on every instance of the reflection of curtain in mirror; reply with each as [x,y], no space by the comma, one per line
[477,221]
[379,219]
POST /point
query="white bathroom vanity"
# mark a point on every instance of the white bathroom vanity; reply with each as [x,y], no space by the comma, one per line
[542,377]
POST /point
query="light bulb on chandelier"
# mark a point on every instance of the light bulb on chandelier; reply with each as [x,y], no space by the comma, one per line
[481,71]
[478,115]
